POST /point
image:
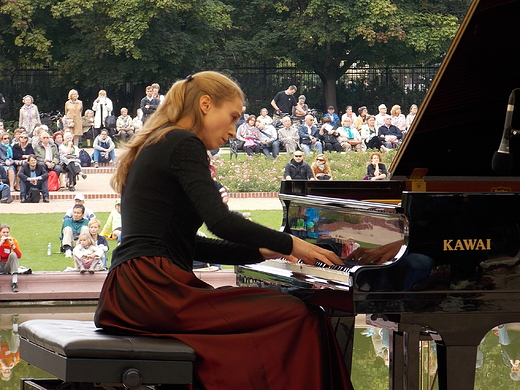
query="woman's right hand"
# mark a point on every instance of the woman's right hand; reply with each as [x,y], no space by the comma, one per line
[310,253]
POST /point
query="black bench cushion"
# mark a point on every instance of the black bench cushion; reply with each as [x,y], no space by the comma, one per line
[82,339]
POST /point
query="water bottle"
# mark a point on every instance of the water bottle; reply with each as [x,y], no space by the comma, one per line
[49,249]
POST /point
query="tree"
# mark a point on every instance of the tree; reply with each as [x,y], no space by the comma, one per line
[329,36]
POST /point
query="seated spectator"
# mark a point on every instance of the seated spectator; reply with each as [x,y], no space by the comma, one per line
[6,159]
[288,135]
[350,114]
[380,117]
[334,119]
[35,137]
[369,135]
[361,118]
[33,175]
[100,241]
[80,199]
[411,116]
[248,134]
[103,149]
[124,126]
[21,150]
[268,138]
[87,123]
[300,110]
[5,190]
[376,170]
[329,135]
[349,137]
[70,160]
[265,117]
[309,136]
[398,119]
[297,169]
[86,254]
[16,135]
[321,168]
[137,122]
[112,228]
[389,134]
[47,153]
[9,255]
[71,228]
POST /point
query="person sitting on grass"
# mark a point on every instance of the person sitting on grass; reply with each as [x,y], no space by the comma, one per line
[86,254]
[9,255]
[103,149]
[112,228]
[101,241]
[71,228]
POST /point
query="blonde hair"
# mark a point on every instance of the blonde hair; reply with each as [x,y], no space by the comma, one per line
[394,109]
[181,101]
[88,237]
[326,169]
[93,221]
[71,92]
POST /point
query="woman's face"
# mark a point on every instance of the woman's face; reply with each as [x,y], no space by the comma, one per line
[349,110]
[413,110]
[27,101]
[5,232]
[67,137]
[375,159]
[219,122]
[74,96]
[397,111]
[93,229]
[23,139]
[371,121]
[59,139]
[251,121]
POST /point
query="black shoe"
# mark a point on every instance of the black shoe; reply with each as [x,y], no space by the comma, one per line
[45,200]
[71,188]
[84,176]
[14,287]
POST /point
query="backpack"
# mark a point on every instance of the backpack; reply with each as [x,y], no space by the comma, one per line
[110,122]
[84,158]
[53,182]
[33,195]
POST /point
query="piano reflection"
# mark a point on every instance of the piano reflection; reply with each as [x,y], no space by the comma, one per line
[436,247]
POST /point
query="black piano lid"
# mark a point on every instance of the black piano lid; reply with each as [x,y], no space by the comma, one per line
[459,125]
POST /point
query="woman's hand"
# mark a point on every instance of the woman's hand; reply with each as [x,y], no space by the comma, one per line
[378,255]
[309,253]
[269,254]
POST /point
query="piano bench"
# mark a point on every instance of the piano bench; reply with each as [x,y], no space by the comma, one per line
[78,352]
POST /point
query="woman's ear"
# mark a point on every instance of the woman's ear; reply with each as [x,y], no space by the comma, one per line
[205,104]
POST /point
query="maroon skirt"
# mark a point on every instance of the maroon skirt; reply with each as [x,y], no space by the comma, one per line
[245,338]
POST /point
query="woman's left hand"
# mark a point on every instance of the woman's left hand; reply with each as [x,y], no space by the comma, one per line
[310,253]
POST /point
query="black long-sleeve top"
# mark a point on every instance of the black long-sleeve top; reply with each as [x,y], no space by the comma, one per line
[167,196]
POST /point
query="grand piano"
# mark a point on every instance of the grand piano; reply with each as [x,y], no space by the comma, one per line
[449,217]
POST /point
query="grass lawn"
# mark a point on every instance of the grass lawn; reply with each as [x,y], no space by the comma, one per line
[35,231]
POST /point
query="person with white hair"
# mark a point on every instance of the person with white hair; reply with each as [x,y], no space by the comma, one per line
[380,118]
[29,114]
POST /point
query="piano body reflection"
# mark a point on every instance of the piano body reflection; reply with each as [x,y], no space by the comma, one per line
[451,223]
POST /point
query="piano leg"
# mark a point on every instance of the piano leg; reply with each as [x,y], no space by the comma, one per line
[405,358]
[343,325]
[456,366]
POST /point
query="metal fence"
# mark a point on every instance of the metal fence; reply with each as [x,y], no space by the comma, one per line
[260,81]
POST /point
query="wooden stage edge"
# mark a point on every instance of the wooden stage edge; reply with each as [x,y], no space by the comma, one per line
[49,287]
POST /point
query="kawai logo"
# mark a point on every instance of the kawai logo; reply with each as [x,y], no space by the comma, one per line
[469,244]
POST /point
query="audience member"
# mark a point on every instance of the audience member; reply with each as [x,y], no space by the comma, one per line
[398,119]
[321,168]
[361,118]
[149,104]
[268,139]
[35,139]
[137,122]
[33,175]
[349,114]
[48,154]
[124,126]
[72,119]
[112,228]
[102,107]
[411,116]
[380,117]
[89,132]
[390,135]
[80,199]
[376,170]
[265,117]
[70,160]
[71,228]
[9,255]
[103,149]
[334,119]
[369,135]
[329,135]
[300,110]
[16,135]
[297,169]
[6,158]
[21,151]
[57,137]
[156,94]
[29,114]
[288,135]
[5,189]
[87,255]
[309,136]
[349,137]
[101,241]
[248,134]
[284,101]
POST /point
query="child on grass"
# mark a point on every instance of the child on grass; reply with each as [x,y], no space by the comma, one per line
[86,254]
